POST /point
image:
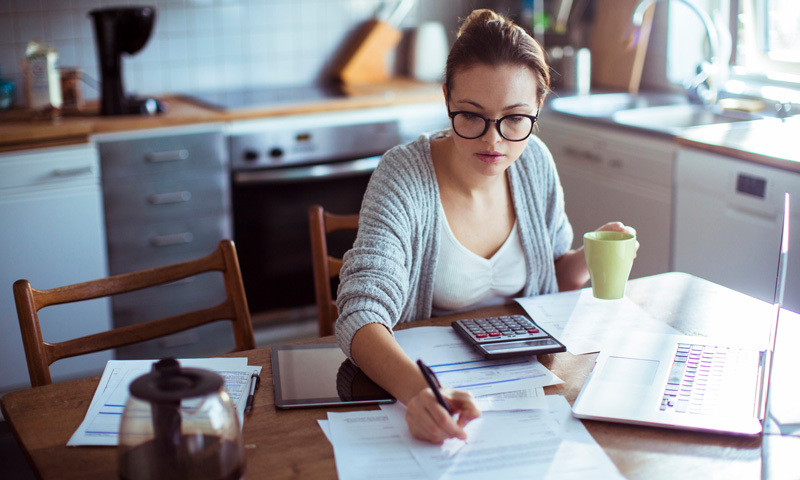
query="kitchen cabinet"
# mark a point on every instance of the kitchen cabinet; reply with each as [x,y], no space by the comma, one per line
[52,234]
[167,200]
[610,174]
[728,217]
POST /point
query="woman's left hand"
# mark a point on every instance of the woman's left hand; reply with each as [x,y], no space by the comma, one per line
[619,227]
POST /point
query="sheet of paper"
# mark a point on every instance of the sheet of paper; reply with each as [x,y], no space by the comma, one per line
[518,444]
[578,456]
[547,443]
[458,366]
[326,428]
[367,446]
[519,395]
[584,323]
[101,423]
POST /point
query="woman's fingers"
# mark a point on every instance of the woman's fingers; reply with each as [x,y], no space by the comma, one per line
[429,421]
[464,404]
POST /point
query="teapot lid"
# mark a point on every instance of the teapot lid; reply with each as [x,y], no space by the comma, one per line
[168,382]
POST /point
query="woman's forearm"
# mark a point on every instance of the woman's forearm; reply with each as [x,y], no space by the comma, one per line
[379,356]
[571,270]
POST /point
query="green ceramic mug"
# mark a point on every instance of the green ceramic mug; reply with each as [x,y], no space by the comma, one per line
[609,256]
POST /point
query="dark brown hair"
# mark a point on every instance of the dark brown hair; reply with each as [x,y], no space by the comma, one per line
[489,38]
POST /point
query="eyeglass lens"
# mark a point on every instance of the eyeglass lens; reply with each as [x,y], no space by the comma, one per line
[512,127]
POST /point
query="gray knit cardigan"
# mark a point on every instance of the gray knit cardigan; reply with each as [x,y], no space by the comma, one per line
[387,276]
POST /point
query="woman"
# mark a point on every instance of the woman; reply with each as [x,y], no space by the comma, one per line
[465,218]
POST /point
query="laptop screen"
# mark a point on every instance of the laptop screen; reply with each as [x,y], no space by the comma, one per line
[780,287]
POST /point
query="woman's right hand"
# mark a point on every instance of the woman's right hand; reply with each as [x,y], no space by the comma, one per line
[429,421]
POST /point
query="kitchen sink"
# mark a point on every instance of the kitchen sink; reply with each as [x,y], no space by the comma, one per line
[672,118]
[667,113]
[606,104]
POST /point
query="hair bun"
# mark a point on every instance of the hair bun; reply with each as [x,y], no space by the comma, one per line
[480,16]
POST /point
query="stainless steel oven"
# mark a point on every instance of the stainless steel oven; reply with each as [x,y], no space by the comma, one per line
[281,168]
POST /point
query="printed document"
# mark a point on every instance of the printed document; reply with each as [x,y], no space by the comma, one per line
[101,424]
[538,444]
[584,323]
[458,366]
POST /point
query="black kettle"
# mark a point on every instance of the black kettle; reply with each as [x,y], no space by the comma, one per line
[179,423]
[121,30]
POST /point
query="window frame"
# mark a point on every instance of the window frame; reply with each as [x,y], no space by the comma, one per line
[757,65]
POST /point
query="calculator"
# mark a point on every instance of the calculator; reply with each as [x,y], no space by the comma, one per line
[507,336]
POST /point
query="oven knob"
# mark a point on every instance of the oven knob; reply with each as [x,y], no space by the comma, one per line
[250,155]
[276,153]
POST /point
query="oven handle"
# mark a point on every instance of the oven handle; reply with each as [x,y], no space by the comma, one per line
[307,172]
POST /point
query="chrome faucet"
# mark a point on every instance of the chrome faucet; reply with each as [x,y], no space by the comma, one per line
[700,89]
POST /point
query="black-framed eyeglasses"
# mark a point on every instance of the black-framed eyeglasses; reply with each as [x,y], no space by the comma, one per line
[514,128]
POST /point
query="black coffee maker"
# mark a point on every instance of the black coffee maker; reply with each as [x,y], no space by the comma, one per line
[121,30]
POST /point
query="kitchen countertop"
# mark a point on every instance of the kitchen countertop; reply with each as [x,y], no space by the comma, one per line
[18,131]
[765,141]
[770,141]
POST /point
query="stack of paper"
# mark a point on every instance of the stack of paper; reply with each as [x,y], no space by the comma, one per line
[521,434]
[533,444]
[101,424]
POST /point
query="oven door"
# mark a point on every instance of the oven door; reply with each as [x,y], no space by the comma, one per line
[272,233]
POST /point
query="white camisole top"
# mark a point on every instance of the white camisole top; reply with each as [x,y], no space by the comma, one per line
[464,280]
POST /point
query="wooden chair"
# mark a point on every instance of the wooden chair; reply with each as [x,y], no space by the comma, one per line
[40,354]
[326,267]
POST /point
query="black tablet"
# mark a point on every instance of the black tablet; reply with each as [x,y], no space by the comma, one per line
[320,375]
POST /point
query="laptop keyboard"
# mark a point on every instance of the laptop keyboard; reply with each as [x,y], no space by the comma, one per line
[697,381]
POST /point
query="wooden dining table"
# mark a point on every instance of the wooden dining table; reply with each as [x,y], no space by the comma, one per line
[286,444]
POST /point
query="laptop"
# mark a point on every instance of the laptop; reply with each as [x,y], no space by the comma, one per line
[686,382]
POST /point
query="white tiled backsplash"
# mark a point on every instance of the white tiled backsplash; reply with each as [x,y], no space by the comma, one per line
[201,45]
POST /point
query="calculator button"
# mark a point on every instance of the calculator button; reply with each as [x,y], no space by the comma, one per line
[495,334]
[481,335]
[533,330]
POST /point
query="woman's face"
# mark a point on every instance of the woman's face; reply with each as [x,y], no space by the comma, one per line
[493,92]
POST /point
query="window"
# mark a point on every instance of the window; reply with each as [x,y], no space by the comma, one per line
[767,40]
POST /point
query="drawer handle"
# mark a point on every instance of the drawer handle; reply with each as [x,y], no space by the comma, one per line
[583,155]
[170,156]
[172,239]
[72,172]
[171,197]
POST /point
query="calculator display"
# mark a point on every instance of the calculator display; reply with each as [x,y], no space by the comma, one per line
[524,345]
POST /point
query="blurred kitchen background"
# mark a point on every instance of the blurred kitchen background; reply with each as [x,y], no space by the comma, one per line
[206,45]
[201,45]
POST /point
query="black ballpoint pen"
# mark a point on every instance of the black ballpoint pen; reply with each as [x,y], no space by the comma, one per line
[433,382]
[255,380]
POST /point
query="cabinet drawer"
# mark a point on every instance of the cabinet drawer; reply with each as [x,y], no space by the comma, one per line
[135,247]
[65,166]
[189,195]
[191,293]
[205,341]
[157,156]
[607,152]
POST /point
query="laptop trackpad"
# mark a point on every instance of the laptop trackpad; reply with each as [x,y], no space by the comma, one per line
[635,371]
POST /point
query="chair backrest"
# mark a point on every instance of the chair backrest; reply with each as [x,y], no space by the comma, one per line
[41,354]
[326,267]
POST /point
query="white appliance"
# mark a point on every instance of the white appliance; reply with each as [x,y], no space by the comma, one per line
[428,53]
[52,232]
[727,219]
